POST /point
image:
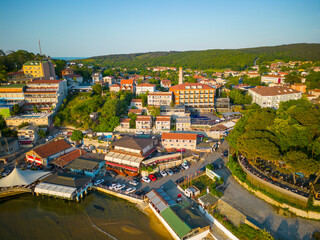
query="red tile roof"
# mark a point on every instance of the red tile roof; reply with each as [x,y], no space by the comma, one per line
[135,111]
[146,85]
[125,120]
[197,85]
[163,119]
[160,93]
[143,118]
[136,100]
[179,136]
[116,85]
[68,158]
[52,148]
[126,81]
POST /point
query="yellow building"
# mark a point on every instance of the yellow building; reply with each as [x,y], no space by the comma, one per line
[39,69]
[195,95]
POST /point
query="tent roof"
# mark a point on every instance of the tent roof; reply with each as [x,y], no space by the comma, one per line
[22,177]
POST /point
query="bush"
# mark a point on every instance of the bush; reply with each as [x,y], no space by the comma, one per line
[236,169]
[210,167]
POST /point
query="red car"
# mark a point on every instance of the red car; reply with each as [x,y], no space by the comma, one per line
[200,135]
[181,150]
[152,177]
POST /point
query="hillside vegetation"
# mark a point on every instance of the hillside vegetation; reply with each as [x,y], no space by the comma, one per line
[236,59]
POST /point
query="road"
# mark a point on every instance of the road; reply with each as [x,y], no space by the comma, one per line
[256,210]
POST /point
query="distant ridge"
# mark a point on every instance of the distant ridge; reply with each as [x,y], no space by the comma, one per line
[236,59]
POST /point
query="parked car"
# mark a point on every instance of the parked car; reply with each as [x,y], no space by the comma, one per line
[146,179]
[120,187]
[133,182]
[170,172]
[171,150]
[140,192]
[185,166]
[139,132]
[181,150]
[180,180]
[112,186]
[152,177]
[130,190]
[163,173]
[99,182]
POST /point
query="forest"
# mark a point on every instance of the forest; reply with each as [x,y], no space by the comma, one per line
[235,59]
[290,134]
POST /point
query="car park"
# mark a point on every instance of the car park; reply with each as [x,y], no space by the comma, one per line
[185,165]
[140,192]
[163,173]
[133,182]
[112,186]
[152,177]
[146,179]
[120,187]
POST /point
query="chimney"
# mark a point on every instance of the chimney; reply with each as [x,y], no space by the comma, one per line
[180,75]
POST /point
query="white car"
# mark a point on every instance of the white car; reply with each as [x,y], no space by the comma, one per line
[133,182]
[99,182]
[185,166]
[146,179]
[130,190]
[119,187]
[169,171]
[139,132]
[163,173]
[112,186]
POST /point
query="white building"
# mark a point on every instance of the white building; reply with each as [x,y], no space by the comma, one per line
[96,77]
[137,103]
[272,79]
[272,96]
[183,124]
[143,122]
[163,122]
[160,98]
[110,80]
[145,87]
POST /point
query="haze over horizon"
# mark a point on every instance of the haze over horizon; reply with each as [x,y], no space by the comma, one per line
[103,27]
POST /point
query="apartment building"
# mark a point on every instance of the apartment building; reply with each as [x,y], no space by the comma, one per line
[194,95]
[183,124]
[160,98]
[163,122]
[9,96]
[143,122]
[145,87]
[272,79]
[179,140]
[28,135]
[45,94]
[137,103]
[273,96]
[174,112]
[39,69]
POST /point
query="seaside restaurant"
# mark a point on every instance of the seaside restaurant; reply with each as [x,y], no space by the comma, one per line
[64,185]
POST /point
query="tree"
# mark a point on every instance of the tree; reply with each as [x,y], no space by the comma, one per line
[76,136]
[172,104]
[35,109]
[292,78]
[154,111]
[133,118]
[16,109]
[97,89]
[42,133]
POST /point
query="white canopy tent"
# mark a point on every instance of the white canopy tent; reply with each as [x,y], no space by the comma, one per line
[22,177]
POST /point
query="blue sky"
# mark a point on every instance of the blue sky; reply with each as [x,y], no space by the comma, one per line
[98,27]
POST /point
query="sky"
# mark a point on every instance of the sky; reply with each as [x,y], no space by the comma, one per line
[86,28]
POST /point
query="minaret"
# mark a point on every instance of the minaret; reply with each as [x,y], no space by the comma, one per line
[180,75]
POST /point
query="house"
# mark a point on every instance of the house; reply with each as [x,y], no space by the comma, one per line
[194,95]
[183,124]
[163,122]
[273,96]
[109,80]
[127,85]
[160,98]
[115,88]
[315,92]
[165,83]
[96,77]
[209,82]
[8,145]
[143,122]
[67,71]
[145,87]
[44,154]
[179,140]
[87,164]
[253,74]
[135,111]
[39,69]
[125,123]
[28,135]
[299,87]
[127,154]
[174,112]
[137,103]
[272,79]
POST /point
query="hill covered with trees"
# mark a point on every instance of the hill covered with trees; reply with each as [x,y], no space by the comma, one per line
[236,59]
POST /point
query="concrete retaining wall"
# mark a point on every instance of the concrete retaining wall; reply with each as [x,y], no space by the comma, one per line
[119,195]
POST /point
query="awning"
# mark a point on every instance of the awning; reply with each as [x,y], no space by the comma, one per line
[122,166]
[34,159]
[151,151]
